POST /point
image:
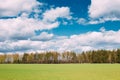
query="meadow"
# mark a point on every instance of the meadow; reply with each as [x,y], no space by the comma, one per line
[59,72]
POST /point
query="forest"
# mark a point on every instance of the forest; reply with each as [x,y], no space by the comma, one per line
[53,57]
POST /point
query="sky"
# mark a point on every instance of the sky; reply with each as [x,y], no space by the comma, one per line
[59,25]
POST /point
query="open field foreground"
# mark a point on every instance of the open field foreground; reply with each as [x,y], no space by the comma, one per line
[59,72]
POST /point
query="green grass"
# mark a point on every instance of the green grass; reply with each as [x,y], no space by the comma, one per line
[59,72]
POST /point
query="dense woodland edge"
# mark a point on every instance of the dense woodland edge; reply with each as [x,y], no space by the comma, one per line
[52,57]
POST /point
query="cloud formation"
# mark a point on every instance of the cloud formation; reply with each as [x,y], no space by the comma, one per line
[18,32]
[44,36]
[104,9]
[14,8]
[22,28]
[101,12]
[59,12]
[83,42]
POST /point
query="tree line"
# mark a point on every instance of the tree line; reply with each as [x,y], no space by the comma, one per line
[52,57]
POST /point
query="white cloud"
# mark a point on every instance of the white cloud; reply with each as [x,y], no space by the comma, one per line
[14,7]
[103,20]
[78,43]
[59,12]
[81,21]
[101,12]
[84,21]
[43,36]
[18,34]
[104,9]
[22,28]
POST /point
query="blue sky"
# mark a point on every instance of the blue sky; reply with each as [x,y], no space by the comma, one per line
[59,25]
[79,9]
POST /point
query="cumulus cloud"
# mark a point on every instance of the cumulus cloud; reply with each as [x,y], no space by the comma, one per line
[18,34]
[13,8]
[83,42]
[104,9]
[22,28]
[59,12]
[84,21]
[43,36]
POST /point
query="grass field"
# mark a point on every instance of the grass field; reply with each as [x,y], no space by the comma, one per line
[59,72]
